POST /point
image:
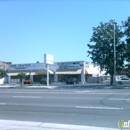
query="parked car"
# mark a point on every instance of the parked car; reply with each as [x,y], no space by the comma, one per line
[123,81]
[44,81]
[27,81]
[72,81]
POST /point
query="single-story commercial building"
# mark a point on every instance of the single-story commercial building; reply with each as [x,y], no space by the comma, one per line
[58,72]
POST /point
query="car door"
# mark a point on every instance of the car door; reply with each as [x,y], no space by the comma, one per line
[125,80]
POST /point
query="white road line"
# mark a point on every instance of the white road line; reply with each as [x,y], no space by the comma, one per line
[118,99]
[26,96]
[2,103]
[84,91]
[89,107]
[96,92]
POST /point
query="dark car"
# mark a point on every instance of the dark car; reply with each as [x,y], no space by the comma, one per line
[72,81]
[44,81]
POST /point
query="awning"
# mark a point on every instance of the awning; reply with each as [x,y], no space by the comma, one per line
[30,73]
[68,71]
[43,71]
[86,72]
[36,72]
[16,73]
[12,74]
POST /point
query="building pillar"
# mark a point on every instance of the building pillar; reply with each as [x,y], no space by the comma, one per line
[83,75]
[55,78]
[9,78]
[31,77]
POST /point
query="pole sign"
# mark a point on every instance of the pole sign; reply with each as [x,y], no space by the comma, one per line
[48,59]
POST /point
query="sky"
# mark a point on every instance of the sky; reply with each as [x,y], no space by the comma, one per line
[63,28]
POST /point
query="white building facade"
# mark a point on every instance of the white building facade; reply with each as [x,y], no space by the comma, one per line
[58,72]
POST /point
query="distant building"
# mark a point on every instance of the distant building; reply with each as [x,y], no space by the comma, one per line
[3,65]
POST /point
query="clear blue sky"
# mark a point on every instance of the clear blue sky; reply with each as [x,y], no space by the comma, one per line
[31,28]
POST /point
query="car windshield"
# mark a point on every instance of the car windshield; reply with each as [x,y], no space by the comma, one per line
[64,64]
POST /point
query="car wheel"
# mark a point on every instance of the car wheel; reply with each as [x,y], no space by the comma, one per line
[120,83]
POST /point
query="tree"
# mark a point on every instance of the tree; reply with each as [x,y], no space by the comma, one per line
[21,76]
[3,73]
[101,48]
[126,26]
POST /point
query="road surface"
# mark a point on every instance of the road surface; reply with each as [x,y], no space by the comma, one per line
[96,107]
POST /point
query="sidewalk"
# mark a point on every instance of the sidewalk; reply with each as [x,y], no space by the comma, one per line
[8,85]
[27,125]
[26,86]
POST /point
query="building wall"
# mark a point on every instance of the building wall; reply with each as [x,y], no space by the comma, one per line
[2,81]
[30,67]
[94,70]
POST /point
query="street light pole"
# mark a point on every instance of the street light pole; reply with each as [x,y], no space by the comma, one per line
[114,58]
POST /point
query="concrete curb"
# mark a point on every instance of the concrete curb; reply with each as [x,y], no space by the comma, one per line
[27,125]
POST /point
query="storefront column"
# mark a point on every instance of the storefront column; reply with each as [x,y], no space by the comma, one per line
[55,78]
[31,77]
[83,76]
[9,78]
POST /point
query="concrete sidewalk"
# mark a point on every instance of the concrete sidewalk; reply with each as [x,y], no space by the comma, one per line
[63,86]
[8,85]
[26,125]
[27,86]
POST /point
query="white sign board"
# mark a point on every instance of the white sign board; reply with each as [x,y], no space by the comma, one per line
[28,67]
[48,59]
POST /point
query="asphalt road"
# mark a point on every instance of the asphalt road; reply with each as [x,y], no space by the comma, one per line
[98,107]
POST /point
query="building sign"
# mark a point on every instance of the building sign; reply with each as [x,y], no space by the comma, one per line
[70,65]
[20,66]
[48,59]
[27,67]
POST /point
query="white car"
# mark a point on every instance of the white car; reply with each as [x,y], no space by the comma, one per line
[123,81]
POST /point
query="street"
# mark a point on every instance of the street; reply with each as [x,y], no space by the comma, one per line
[92,107]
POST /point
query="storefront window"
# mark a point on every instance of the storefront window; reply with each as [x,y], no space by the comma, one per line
[63,78]
[14,77]
[37,78]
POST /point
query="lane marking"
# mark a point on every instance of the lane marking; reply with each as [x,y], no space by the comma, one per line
[85,91]
[109,108]
[2,103]
[26,96]
[119,99]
